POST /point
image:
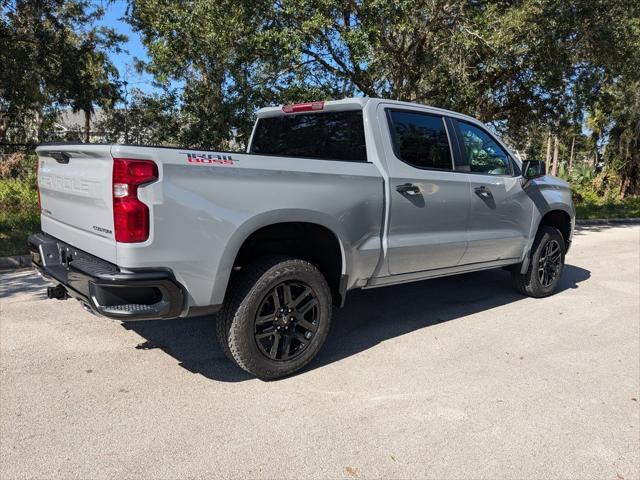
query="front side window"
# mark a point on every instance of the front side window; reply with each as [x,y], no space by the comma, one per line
[323,135]
[420,139]
[483,153]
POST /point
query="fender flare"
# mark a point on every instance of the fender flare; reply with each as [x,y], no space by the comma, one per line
[255,223]
[555,206]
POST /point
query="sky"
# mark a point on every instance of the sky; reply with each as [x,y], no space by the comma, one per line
[124,61]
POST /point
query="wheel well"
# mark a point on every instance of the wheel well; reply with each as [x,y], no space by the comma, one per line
[559,220]
[308,241]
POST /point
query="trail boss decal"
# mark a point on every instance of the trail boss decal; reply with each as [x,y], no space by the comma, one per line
[209,158]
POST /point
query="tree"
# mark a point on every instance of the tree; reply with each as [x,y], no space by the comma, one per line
[518,65]
[623,149]
[51,56]
[148,119]
[94,78]
[213,50]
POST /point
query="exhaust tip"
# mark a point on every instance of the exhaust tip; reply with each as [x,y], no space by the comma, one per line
[87,308]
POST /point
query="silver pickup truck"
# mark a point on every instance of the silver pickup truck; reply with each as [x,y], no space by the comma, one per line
[330,196]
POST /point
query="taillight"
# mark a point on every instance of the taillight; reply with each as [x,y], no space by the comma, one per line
[303,107]
[130,215]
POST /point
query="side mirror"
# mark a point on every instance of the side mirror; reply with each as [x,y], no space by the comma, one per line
[533,169]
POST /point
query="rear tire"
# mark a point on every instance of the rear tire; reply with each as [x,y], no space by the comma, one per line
[276,316]
[545,268]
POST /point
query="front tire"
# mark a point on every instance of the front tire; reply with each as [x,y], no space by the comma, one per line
[545,268]
[276,317]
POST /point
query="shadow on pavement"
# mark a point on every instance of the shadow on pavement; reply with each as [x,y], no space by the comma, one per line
[601,227]
[369,317]
[21,282]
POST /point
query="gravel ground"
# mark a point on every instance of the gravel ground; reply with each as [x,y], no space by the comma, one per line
[452,378]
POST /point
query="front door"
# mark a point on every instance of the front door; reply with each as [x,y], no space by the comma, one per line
[501,211]
[429,201]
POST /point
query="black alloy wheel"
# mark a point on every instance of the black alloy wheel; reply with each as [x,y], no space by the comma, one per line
[545,267]
[276,316]
[549,263]
[286,320]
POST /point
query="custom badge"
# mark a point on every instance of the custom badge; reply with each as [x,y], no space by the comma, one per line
[209,158]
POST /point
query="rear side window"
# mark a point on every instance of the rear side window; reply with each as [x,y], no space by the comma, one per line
[420,139]
[327,135]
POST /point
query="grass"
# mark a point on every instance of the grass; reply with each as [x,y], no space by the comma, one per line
[627,208]
[591,205]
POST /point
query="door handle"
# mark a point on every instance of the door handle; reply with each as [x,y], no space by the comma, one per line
[482,191]
[408,188]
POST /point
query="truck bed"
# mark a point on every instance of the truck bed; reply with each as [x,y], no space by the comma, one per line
[204,205]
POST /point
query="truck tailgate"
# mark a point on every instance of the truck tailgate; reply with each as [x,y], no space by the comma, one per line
[76,197]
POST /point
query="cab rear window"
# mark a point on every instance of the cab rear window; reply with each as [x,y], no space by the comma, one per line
[324,135]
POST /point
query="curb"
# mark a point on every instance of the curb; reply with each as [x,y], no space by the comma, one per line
[608,221]
[15,262]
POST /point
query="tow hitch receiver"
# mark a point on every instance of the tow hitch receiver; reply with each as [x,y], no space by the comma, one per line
[58,292]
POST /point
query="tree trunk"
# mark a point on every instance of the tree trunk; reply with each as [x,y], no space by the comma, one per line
[573,144]
[87,126]
[4,126]
[556,149]
[37,129]
[548,158]
[596,156]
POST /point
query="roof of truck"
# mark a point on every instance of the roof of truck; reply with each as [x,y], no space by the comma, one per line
[353,103]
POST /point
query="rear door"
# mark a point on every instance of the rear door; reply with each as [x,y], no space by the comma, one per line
[429,200]
[75,183]
[500,217]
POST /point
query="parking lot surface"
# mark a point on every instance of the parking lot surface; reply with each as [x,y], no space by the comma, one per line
[451,378]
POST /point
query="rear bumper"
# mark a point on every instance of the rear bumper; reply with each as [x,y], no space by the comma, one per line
[101,287]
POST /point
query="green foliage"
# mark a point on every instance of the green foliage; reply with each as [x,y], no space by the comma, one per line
[51,56]
[18,194]
[17,165]
[530,68]
[214,50]
[563,171]
[590,205]
[582,174]
[19,212]
[148,120]
[623,150]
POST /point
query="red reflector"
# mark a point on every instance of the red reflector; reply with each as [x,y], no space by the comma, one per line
[303,107]
[130,215]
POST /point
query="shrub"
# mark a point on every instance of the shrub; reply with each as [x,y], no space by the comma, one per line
[17,165]
[582,174]
[19,212]
[18,194]
[18,184]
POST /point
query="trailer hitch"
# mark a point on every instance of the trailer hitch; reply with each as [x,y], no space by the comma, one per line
[58,292]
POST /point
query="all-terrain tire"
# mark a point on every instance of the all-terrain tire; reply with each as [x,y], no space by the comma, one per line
[529,283]
[247,292]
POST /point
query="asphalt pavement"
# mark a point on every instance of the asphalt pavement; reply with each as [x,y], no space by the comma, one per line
[453,378]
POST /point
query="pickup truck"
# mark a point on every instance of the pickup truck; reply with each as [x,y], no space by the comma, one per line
[329,197]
